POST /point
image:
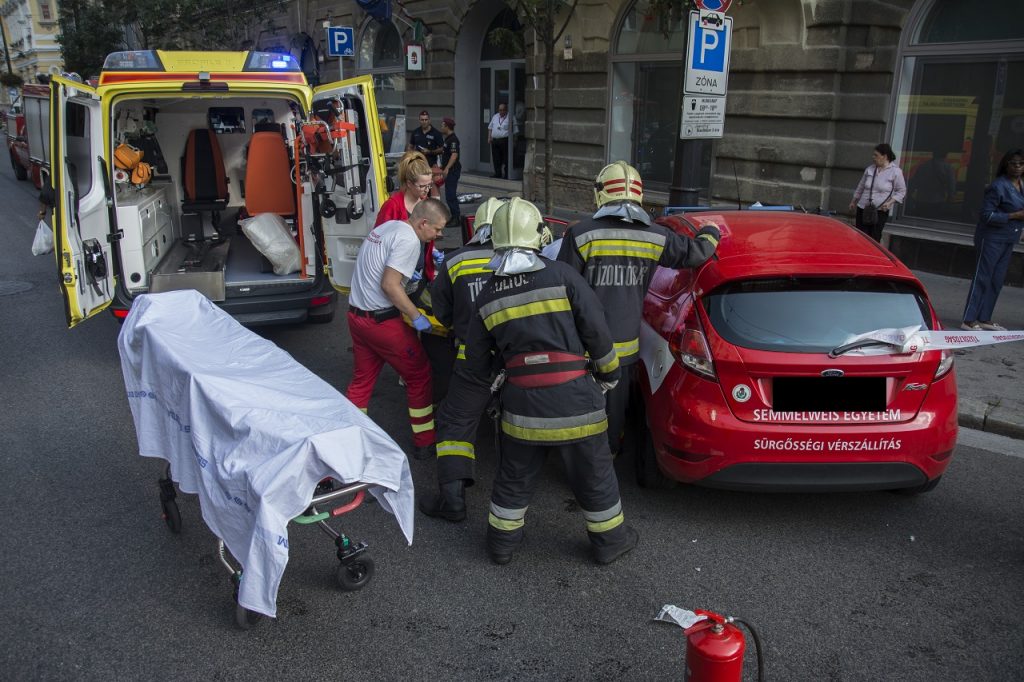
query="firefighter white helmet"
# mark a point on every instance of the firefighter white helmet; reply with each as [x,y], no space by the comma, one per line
[618,181]
[517,224]
[483,219]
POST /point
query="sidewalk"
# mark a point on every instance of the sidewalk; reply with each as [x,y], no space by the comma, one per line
[990,379]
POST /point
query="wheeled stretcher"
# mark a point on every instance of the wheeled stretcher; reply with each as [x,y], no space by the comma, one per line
[261,440]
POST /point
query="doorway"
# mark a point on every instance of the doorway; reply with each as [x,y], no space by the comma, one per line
[504,82]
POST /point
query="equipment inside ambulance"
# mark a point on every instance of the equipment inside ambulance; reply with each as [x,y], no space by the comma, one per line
[223,172]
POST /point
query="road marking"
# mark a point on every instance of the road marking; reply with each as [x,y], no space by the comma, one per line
[992,442]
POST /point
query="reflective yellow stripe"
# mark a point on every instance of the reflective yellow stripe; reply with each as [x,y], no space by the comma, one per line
[527,310]
[605,526]
[627,348]
[461,354]
[421,411]
[469,266]
[364,410]
[505,524]
[471,271]
[709,238]
[420,428]
[456,448]
[608,363]
[620,247]
[552,435]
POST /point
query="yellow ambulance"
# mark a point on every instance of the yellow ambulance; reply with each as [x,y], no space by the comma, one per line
[224,172]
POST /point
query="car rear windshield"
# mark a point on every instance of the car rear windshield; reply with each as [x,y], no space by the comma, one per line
[805,315]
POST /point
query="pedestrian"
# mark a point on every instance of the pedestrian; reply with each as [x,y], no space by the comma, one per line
[617,251]
[451,168]
[880,187]
[498,131]
[427,140]
[377,301]
[998,230]
[542,320]
[453,294]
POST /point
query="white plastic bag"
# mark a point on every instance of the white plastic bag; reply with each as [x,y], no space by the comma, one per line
[269,233]
[43,242]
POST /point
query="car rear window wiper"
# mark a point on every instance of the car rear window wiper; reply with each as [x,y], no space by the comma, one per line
[894,338]
[863,343]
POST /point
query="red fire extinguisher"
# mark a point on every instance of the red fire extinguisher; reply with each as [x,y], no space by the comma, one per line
[714,649]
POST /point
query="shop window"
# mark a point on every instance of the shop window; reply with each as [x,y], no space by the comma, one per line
[381,55]
[645,105]
[957,110]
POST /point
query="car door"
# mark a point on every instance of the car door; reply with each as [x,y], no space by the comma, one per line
[81,218]
[356,188]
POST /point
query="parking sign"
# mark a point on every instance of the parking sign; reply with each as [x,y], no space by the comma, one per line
[340,41]
[707,58]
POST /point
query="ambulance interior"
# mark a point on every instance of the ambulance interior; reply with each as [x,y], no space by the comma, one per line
[215,162]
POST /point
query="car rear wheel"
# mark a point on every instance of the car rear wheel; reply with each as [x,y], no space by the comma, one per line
[919,489]
[648,473]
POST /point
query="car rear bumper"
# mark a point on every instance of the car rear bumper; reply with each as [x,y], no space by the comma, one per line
[698,440]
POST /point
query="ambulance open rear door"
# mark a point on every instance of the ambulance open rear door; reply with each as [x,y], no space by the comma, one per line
[83,244]
[356,185]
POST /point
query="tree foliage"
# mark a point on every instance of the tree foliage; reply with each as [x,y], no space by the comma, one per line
[91,29]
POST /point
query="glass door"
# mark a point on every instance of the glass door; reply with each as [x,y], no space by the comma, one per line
[504,83]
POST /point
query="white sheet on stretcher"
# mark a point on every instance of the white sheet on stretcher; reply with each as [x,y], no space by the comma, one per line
[248,429]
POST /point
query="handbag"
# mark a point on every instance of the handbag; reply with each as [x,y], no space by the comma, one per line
[869,214]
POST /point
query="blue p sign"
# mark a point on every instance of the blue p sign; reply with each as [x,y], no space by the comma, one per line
[708,56]
[340,41]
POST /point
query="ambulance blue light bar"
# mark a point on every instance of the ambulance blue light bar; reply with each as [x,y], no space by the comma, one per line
[134,60]
[271,61]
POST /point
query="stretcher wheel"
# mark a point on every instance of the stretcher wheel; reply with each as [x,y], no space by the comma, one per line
[244,618]
[172,517]
[356,574]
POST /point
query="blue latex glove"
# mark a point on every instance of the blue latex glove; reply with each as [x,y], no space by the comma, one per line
[417,275]
[421,324]
[438,257]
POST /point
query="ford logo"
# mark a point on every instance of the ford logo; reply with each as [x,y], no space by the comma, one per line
[832,372]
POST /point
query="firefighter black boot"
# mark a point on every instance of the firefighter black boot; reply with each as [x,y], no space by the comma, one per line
[609,553]
[449,504]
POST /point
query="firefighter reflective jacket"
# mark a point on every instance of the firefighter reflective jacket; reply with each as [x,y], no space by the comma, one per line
[542,324]
[618,260]
[453,292]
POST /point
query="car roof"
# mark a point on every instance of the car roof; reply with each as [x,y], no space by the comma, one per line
[759,244]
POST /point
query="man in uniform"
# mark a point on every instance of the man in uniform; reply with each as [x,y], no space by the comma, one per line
[426,139]
[451,168]
[386,261]
[453,294]
[542,320]
[616,251]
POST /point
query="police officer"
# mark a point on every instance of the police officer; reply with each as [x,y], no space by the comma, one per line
[453,294]
[541,319]
[616,251]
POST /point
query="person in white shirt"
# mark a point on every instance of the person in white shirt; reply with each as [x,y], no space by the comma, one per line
[498,131]
[387,259]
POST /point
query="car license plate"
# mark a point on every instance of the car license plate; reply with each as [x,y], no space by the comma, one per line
[865,394]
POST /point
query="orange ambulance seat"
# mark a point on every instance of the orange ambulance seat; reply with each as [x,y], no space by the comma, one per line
[268,183]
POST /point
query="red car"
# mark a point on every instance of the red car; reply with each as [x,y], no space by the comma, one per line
[744,378]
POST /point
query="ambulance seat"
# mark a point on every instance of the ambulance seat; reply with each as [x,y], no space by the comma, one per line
[202,172]
[268,182]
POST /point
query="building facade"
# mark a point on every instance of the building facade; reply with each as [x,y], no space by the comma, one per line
[30,27]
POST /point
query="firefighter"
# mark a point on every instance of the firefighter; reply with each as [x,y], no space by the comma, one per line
[541,319]
[616,251]
[453,294]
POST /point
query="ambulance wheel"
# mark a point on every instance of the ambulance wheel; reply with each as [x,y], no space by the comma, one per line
[172,517]
[244,618]
[20,171]
[354,576]
[648,473]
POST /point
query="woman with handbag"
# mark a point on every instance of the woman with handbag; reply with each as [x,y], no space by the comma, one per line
[999,228]
[881,186]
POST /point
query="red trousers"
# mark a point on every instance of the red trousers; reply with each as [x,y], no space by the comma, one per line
[393,342]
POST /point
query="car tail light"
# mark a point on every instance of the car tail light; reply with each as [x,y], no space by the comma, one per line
[318,301]
[945,364]
[691,348]
[120,313]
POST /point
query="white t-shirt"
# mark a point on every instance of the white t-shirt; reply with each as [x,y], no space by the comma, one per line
[499,126]
[393,245]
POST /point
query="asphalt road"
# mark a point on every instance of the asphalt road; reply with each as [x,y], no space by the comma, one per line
[841,587]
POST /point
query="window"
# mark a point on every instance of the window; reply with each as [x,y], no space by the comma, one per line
[44,11]
[78,151]
[645,107]
[959,106]
[382,56]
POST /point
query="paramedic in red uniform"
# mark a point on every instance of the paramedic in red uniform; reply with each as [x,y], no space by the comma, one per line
[386,260]
[617,251]
[542,320]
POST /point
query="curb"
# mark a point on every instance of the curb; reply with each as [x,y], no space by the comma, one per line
[995,415]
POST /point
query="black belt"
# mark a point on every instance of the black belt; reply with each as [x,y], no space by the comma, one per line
[376,315]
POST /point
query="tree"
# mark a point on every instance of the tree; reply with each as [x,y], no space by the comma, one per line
[540,15]
[89,31]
